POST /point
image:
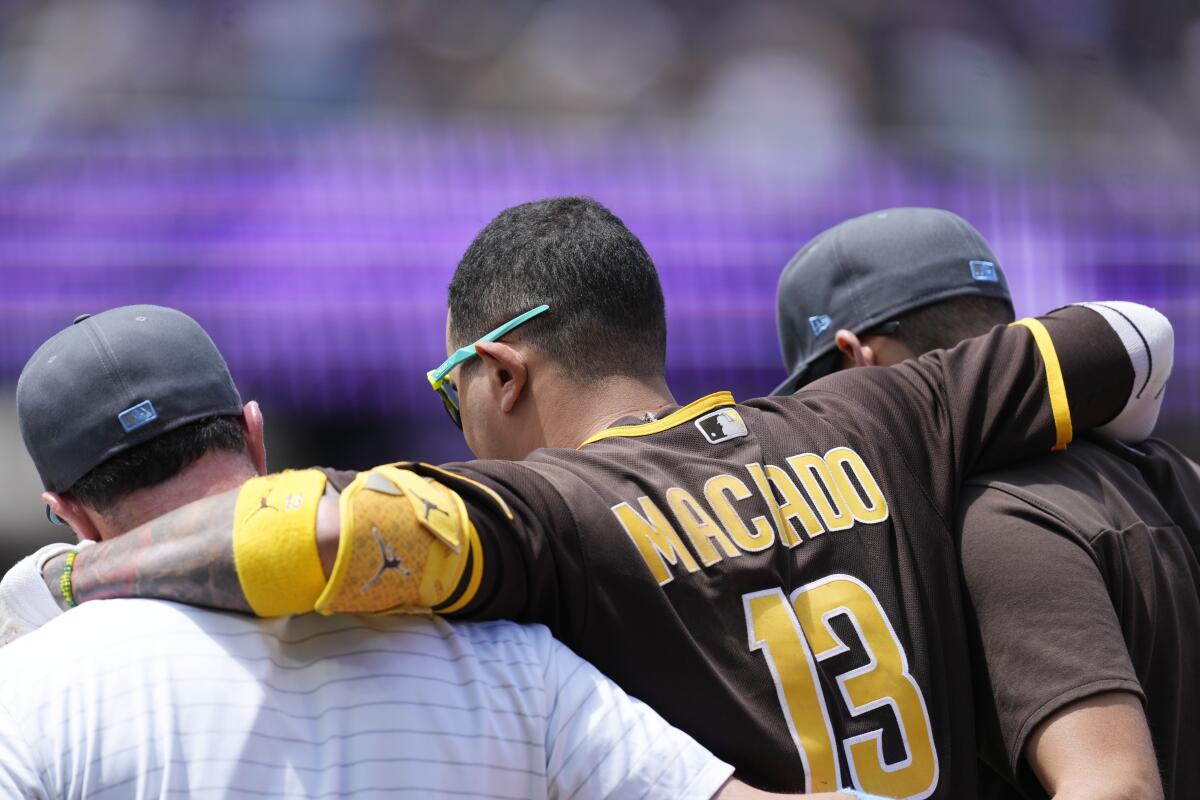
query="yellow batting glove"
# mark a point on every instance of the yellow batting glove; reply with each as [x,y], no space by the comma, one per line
[406,545]
[275,542]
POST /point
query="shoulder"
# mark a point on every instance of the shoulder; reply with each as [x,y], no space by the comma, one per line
[501,634]
[498,644]
[513,644]
[540,471]
[1093,486]
[1185,470]
[82,643]
[105,621]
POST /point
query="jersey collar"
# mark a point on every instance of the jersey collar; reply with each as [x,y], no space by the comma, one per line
[686,414]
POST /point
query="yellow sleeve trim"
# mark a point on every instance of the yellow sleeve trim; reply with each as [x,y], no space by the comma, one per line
[686,414]
[476,550]
[1059,405]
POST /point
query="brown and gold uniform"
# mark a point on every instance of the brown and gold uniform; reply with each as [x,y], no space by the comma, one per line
[778,578]
[1083,575]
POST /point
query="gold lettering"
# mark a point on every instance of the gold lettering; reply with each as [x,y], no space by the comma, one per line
[720,491]
[793,506]
[654,538]
[786,534]
[870,509]
[815,476]
[699,527]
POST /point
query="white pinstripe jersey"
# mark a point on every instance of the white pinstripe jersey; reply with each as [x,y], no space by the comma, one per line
[148,699]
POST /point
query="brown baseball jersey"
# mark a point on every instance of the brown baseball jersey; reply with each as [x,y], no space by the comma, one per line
[778,578]
[1082,571]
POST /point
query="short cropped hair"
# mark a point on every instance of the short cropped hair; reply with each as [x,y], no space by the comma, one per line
[941,325]
[158,460]
[606,313]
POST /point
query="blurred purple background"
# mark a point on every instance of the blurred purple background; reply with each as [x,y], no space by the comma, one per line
[302,177]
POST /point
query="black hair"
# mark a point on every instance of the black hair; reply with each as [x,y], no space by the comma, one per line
[941,325]
[606,312]
[158,460]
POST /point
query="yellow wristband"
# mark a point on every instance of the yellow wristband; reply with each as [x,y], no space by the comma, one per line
[275,542]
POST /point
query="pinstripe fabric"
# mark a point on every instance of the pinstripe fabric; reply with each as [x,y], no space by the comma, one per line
[145,699]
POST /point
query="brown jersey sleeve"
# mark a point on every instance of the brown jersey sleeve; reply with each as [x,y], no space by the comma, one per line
[1047,631]
[339,479]
[534,566]
[1013,393]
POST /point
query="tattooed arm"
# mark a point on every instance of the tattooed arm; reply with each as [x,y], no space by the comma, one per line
[185,555]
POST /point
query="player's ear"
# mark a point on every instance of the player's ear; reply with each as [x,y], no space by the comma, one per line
[68,509]
[256,445]
[507,371]
[856,353]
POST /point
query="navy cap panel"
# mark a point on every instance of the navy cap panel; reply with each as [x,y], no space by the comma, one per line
[870,269]
[52,408]
[804,299]
[113,381]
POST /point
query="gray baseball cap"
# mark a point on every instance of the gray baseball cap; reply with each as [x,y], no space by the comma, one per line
[112,381]
[868,270]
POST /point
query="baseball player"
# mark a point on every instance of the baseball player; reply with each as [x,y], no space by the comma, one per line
[1081,565]
[143,698]
[775,577]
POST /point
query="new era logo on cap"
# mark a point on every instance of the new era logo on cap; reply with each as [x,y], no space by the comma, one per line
[819,324]
[135,417]
[722,425]
[984,271]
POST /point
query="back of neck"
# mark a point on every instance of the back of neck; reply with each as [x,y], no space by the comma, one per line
[598,405]
[211,474]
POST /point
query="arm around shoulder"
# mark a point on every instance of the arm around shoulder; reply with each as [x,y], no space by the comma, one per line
[290,543]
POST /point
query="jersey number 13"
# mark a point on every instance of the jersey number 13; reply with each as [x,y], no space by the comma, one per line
[794,636]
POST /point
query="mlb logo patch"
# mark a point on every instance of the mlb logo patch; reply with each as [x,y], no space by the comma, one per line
[135,417]
[721,426]
[820,323]
[984,271]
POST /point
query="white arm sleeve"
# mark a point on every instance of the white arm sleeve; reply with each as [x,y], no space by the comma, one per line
[600,742]
[26,603]
[1150,341]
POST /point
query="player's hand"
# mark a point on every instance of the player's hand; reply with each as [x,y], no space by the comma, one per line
[26,603]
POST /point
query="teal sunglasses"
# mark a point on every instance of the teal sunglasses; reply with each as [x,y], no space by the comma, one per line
[441,383]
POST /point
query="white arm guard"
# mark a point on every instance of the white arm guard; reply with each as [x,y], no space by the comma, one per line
[26,603]
[1150,341]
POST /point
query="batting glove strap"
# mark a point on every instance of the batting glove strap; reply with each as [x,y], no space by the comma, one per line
[406,545]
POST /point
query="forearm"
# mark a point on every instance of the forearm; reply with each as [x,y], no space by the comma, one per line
[271,547]
[185,555]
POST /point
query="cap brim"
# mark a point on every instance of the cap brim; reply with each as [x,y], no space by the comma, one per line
[816,367]
[785,388]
